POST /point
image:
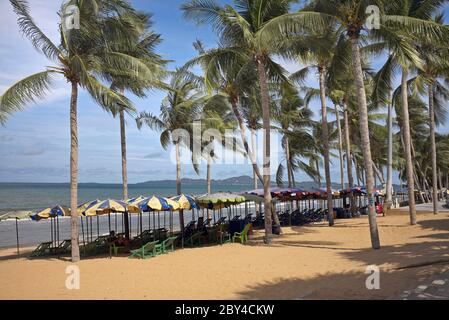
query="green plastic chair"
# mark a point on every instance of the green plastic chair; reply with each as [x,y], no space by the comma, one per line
[166,246]
[242,237]
[195,239]
[146,251]
[115,249]
[223,236]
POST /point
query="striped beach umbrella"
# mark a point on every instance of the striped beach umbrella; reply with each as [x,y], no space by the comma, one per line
[155,203]
[105,207]
[42,214]
[185,202]
[133,204]
[84,206]
[60,211]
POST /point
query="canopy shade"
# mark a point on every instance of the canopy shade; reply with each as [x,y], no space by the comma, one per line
[15,215]
[185,202]
[105,207]
[219,200]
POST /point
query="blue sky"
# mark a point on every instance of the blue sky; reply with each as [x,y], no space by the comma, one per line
[34,144]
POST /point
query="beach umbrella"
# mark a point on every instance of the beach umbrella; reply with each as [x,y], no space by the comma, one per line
[52,213]
[185,202]
[86,205]
[219,200]
[81,209]
[42,214]
[155,203]
[16,216]
[105,207]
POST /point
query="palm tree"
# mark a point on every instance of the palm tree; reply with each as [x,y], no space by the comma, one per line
[293,120]
[337,97]
[217,119]
[251,111]
[140,44]
[408,23]
[434,66]
[322,50]
[179,110]
[242,28]
[78,58]
[352,17]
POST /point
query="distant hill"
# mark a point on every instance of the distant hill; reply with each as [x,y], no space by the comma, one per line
[241,180]
[238,181]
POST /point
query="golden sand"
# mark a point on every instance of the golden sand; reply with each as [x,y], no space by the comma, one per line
[313,262]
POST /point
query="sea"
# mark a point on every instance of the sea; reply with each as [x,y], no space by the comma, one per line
[31,197]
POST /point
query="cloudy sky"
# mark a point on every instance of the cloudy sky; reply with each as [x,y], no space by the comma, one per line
[34,144]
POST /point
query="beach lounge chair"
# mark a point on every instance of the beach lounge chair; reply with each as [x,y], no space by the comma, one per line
[220,221]
[42,249]
[242,237]
[166,246]
[64,247]
[146,251]
[99,245]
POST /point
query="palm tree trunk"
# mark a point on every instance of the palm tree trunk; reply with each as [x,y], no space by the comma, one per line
[266,148]
[289,167]
[348,152]
[325,138]
[340,147]
[242,127]
[74,173]
[378,173]
[178,184]
[124,164]
[365,140]
[208,174]
[433,151]
[254,159]
[389,193]
[407,145]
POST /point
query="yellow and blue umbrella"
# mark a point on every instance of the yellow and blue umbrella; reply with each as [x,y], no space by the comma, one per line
[133,204]
[51,213]
[156,203]
[185,202]
[43,214]
[105,207]
[83,207]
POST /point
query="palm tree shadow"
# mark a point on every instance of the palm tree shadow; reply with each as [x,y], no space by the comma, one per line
[336,285]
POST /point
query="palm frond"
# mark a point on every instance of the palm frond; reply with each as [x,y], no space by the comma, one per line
[24,92]
[37,37]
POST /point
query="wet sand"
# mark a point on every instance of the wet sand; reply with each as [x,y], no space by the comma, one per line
[313,262]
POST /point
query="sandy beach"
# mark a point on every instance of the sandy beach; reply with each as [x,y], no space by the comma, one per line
[313,262]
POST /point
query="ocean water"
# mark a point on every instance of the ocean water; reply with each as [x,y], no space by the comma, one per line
[32,197]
